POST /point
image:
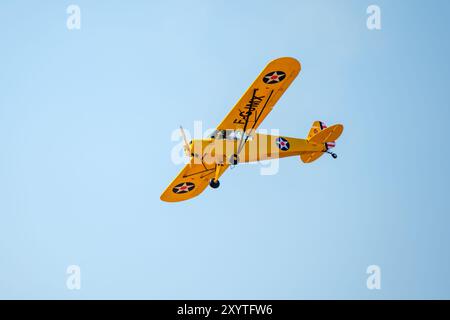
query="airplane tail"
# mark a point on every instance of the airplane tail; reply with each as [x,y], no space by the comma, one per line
[321,134]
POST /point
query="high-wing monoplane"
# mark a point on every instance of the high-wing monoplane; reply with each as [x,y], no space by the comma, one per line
[235,140]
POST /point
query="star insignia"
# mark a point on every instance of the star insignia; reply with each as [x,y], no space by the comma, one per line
[274,77]
[282,143]
[183,187]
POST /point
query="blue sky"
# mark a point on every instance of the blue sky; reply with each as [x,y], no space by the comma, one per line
[86,118]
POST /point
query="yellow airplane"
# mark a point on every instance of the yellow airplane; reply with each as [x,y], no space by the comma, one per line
[235,140]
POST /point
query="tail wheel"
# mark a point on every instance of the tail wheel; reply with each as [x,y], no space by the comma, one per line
[334,155]
[214,184]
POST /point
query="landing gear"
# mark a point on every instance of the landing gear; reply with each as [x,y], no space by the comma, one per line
[214,183]
[234,159]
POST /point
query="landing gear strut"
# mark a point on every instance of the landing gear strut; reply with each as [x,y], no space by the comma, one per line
[234,159]
[214,183]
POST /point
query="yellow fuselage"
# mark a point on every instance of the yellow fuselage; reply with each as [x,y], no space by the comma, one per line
[259,147]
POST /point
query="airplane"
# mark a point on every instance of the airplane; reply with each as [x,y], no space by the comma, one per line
[235,140]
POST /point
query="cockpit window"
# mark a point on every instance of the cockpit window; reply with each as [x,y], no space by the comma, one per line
[229,135]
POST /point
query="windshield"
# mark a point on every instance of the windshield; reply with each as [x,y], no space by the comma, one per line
[229,135]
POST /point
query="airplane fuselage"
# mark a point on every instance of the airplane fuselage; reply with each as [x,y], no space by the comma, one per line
[257,148]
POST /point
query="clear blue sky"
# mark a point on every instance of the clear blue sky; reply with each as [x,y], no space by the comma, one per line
[85,123]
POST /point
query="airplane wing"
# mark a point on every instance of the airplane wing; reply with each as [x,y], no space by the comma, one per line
[190,182]
[261,96]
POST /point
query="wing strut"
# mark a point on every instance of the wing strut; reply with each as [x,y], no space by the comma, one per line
[242,143]
[244,137]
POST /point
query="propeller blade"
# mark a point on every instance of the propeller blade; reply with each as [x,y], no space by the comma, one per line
[187,149]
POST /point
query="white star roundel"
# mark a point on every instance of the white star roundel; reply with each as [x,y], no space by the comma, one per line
[274,77]
[282,143]
[183,187]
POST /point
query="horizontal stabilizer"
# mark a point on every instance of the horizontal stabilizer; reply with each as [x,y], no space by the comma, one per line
[308,157]
[329,134]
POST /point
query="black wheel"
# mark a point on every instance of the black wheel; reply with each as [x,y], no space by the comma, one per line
[334,155]
[234,159]
[214,184]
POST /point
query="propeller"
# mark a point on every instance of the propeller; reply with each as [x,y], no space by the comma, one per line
[187,149]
